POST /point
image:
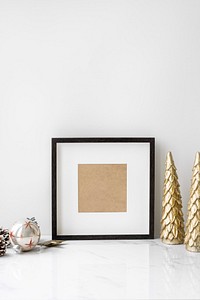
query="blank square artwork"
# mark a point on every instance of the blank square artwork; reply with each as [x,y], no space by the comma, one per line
[102,188]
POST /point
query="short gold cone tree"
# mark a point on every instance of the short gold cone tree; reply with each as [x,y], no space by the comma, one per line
[192,235]
[172,223]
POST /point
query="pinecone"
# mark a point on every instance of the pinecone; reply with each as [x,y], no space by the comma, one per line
[2,246]
[5,234]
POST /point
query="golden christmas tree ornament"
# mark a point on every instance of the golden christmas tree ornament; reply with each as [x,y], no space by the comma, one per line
[172,223]
[192,235]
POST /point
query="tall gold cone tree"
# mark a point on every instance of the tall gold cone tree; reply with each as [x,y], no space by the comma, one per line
[172,223]
[192,236]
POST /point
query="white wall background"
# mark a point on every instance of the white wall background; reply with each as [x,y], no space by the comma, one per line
[94,68]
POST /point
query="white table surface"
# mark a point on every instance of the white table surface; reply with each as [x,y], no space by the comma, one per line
[137,269]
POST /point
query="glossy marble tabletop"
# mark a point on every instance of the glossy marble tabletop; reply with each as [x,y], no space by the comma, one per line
[140,269]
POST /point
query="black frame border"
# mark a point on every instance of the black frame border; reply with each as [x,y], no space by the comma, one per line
[150,140]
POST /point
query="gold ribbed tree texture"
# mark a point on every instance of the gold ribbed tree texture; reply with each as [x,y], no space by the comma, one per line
[192,235]
[172,223]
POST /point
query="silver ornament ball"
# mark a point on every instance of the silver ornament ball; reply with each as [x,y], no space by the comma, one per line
[25,235]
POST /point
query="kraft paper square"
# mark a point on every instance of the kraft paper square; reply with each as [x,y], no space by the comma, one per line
[102,188]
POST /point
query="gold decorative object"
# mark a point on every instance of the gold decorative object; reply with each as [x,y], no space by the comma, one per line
[172,223]
[192,236]
[51,243]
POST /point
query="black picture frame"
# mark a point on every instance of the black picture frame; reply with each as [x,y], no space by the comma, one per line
[112,140]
